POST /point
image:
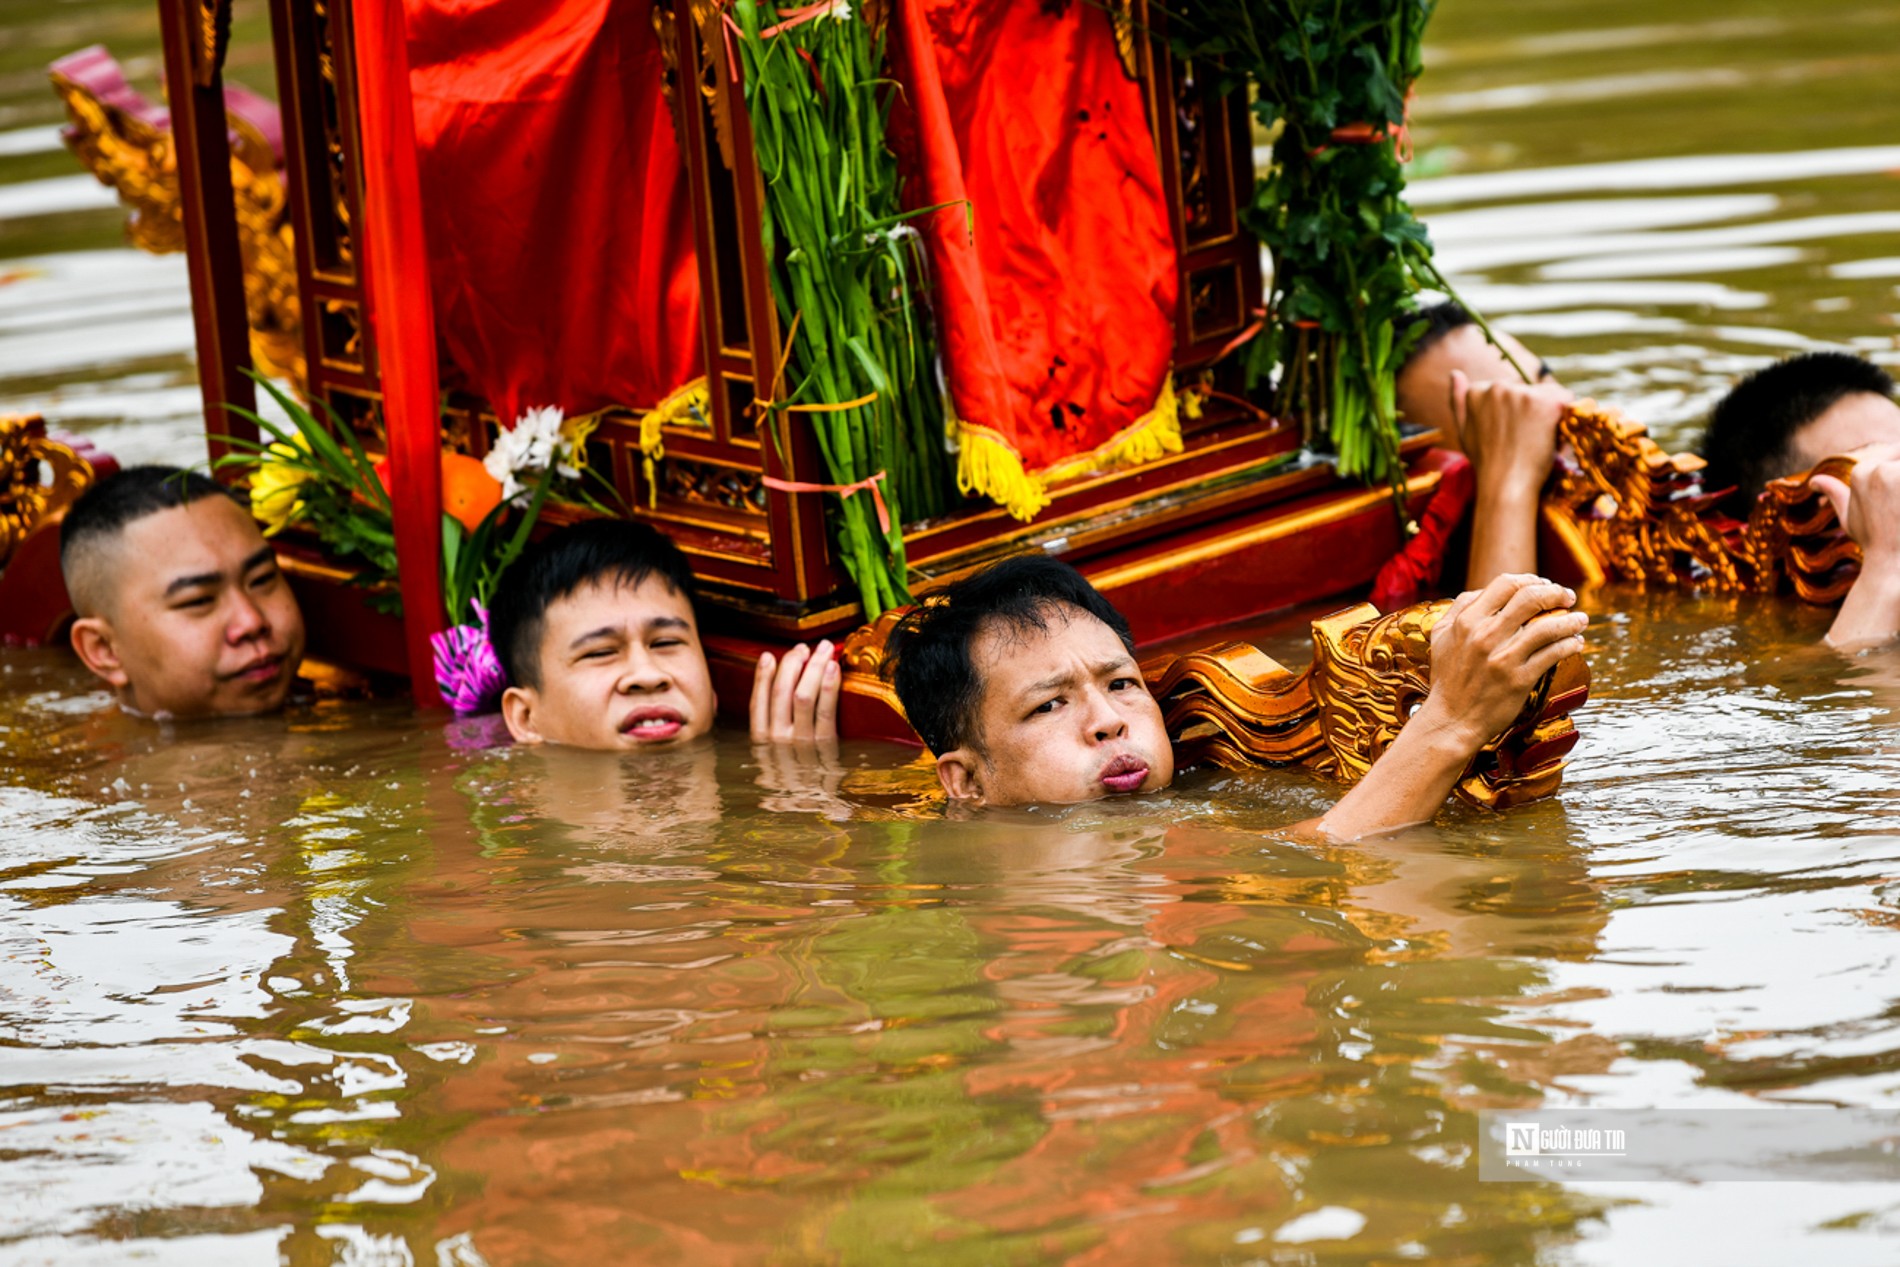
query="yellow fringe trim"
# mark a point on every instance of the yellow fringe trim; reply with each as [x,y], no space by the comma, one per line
[989,466]
[691,406]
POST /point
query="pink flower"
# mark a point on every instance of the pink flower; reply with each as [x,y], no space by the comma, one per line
[467,671]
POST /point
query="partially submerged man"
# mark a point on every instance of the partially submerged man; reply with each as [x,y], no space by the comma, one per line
[1022,680]
[598,632]
[1787,419]
[1476,394]
[181,607]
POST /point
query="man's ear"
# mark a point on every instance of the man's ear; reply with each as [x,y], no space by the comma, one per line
[517,713]
[960,775]
[93,643]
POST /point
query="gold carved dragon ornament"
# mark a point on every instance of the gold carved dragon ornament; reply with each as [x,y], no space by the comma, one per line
[1626,510]
[134,158]
[39,478]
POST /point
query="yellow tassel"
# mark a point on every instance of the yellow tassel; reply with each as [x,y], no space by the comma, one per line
[988,466]
[690,405]
[1193,401]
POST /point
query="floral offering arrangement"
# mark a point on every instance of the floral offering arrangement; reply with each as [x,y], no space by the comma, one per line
[318,476]
[1331,84]
[848,274]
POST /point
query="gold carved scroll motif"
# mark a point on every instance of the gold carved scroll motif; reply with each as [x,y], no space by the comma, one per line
[1234,706]
[131,156]
[39,478]
[1640,514]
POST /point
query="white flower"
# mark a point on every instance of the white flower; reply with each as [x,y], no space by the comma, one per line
[528,448]
[840,11]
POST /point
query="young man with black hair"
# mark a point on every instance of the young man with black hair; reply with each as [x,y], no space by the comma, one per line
[1454,379]
[597,631]
[180,605]
[1022,680]
[1786,418]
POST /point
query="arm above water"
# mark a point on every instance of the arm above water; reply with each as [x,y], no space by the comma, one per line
[1488,652]
[1510,435]
[1870,512]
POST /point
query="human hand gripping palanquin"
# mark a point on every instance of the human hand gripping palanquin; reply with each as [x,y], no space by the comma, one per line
[1235,706]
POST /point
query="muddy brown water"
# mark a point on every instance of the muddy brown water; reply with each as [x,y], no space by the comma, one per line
[357,986]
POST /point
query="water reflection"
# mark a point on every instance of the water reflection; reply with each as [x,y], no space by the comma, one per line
[496,999]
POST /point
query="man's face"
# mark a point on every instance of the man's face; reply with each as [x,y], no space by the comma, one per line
[1848,426]
[195,618]
[1424,386]
[621,667]
[1064,717]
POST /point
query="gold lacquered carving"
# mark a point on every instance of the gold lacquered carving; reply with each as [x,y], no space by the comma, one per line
[136,159]
[716,86]
[1235,706]
[1793,534]
[211,23]
[861,651]
[132,157]
[1634,505]
[1641,515]
[39,478]
[1121,13]
[666,34]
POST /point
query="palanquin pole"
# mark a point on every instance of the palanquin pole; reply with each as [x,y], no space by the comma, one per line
[196,36]
[395,258]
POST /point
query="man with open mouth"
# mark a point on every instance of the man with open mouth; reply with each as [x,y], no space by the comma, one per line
[596,629]
[1022,680]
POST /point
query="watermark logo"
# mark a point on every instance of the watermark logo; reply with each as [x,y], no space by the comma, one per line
[1535,1146]
[1769,1143]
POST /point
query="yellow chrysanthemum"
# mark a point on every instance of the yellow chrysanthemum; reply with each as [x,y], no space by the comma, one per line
[276,486]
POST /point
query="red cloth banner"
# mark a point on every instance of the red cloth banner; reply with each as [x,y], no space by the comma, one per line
[1056,283]
[393,249]
[559,219]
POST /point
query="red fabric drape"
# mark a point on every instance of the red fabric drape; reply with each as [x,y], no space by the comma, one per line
[1412,575]
[1056,308]
[559,222]
[393,250]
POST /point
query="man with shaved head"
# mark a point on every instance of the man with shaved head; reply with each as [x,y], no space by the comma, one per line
[181,607]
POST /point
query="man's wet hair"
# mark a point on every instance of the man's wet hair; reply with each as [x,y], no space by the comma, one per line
[594,551]
[114,504]
[933,671]
[1751,434]
[1432,324]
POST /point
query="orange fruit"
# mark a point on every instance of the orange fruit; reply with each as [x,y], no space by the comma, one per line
[469,492]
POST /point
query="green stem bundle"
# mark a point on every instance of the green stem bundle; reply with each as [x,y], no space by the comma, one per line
[847,268]
[1349,257]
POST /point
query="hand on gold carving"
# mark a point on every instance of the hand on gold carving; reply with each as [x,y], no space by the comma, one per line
[795,700]
[1869,510]
[1490,648]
